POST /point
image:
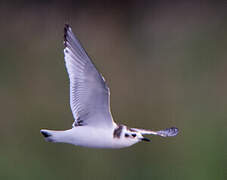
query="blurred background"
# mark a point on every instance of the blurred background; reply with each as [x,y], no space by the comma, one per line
[165,63]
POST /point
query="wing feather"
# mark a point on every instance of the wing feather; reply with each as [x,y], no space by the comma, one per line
[173,131]
[89,94]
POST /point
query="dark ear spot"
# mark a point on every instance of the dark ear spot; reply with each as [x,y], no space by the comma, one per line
[126,135]
[133,135]
[117,132]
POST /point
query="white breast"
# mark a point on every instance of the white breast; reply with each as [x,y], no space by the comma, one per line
[87,136]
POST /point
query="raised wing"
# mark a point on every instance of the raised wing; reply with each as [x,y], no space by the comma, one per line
[89,94]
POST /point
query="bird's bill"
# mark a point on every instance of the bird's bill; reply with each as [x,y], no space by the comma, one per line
[145,139]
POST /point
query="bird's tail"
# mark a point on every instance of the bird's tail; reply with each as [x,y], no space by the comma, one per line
[57,136]
[49,135]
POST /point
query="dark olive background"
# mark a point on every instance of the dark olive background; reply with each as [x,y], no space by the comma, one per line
[166,65]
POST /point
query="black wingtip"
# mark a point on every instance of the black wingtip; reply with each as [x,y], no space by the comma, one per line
[66,28]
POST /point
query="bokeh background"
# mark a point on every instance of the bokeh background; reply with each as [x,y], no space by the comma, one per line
[166,65]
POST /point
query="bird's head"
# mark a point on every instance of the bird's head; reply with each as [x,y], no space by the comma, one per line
[129,135]
[134,135]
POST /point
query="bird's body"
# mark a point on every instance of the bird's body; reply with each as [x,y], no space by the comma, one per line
[90,103]
[89,137]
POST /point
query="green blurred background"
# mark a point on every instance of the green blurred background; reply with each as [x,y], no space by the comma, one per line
[166,65]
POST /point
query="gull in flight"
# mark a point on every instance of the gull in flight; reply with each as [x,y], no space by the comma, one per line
[90,104]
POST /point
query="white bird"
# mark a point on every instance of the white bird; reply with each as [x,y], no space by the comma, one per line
[90,103]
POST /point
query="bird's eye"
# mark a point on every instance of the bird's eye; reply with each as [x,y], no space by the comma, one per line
[133,135]
[126,135]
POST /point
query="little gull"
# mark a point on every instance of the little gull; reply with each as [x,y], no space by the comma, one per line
[90,103]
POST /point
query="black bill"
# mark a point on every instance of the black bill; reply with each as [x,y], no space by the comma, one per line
[145,139]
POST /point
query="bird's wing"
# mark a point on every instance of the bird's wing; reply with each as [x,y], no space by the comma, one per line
[89,94]
[173,131]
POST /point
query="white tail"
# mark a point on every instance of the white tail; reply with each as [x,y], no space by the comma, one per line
[49,135]
[56,136]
